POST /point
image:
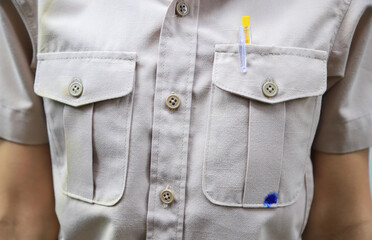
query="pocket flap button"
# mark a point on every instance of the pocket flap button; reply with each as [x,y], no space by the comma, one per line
[76,89]
[270,89]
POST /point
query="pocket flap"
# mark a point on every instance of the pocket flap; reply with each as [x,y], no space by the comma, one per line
[102,76]
[297,72]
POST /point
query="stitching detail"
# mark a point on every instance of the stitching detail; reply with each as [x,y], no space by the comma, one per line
[87,100]
[242,92]
[128,102]
[258,98]
[52,137]
[349,121]
[309,143]
[87,111]
[248,152]
[28,25]
[128,138]
[250,205]
[307,200]
[204,182]
[82,100]
[283,148]
[78,58]
[337,29]
[206,154]
[277,185]
[65,173]
[162,71]
[189,87]
[183,140]
[275,54]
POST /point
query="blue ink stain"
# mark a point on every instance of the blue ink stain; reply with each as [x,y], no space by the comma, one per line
[270,199]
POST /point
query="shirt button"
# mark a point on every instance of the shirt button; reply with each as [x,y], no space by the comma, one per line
[182,9]
[76,89]
[270,89]
[173,101]
[167,196]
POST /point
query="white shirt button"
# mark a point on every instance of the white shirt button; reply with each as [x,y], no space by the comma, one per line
[167,196]
[173,101]
[182,9]
[270,89]
[76,89]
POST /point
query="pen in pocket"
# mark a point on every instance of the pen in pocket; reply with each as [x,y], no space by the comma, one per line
[245,37]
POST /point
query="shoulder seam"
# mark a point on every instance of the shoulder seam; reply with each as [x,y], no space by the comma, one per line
[337,29]
[27,23]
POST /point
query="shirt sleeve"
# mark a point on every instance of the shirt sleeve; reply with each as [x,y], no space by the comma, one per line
[346,119]
[22,118]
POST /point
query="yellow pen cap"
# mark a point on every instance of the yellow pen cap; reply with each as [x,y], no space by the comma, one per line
[245,21]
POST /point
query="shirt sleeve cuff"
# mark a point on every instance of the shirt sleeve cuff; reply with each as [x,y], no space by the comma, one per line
[344,137]
[22,127]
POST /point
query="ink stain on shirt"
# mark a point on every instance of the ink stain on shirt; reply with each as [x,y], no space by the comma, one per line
[270,199]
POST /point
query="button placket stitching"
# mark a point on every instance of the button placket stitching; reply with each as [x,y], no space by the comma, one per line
[183,90]
[165,73]
[166,34]
[178,227]
[189,85]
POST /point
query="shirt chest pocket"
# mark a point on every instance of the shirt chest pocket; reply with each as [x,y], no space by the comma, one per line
[261,124]
[88,100]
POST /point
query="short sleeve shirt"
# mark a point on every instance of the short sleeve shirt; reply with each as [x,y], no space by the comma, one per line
[155,131]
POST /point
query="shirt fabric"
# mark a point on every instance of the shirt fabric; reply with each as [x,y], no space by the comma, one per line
[237,162]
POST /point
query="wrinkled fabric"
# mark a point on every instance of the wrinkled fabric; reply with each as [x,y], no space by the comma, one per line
[237,161]
[21,112]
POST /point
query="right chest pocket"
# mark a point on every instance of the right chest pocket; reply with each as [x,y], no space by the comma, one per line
[88,101]
[261,124]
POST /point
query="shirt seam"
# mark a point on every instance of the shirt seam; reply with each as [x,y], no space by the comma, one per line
[27,23]
[341,20]
[163,70]
[77,58]
[350,120]
[274,54]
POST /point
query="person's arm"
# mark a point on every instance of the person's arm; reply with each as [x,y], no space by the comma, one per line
[342,205]
[26,193]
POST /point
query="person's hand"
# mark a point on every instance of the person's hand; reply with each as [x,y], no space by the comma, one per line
[26,193]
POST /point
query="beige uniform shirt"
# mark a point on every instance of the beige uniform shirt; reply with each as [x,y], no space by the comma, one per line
[155,132]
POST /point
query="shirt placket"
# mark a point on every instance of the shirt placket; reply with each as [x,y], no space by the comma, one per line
[171,124]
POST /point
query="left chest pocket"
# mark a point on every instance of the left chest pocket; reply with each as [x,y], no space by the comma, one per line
[88,101]
[261,124]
